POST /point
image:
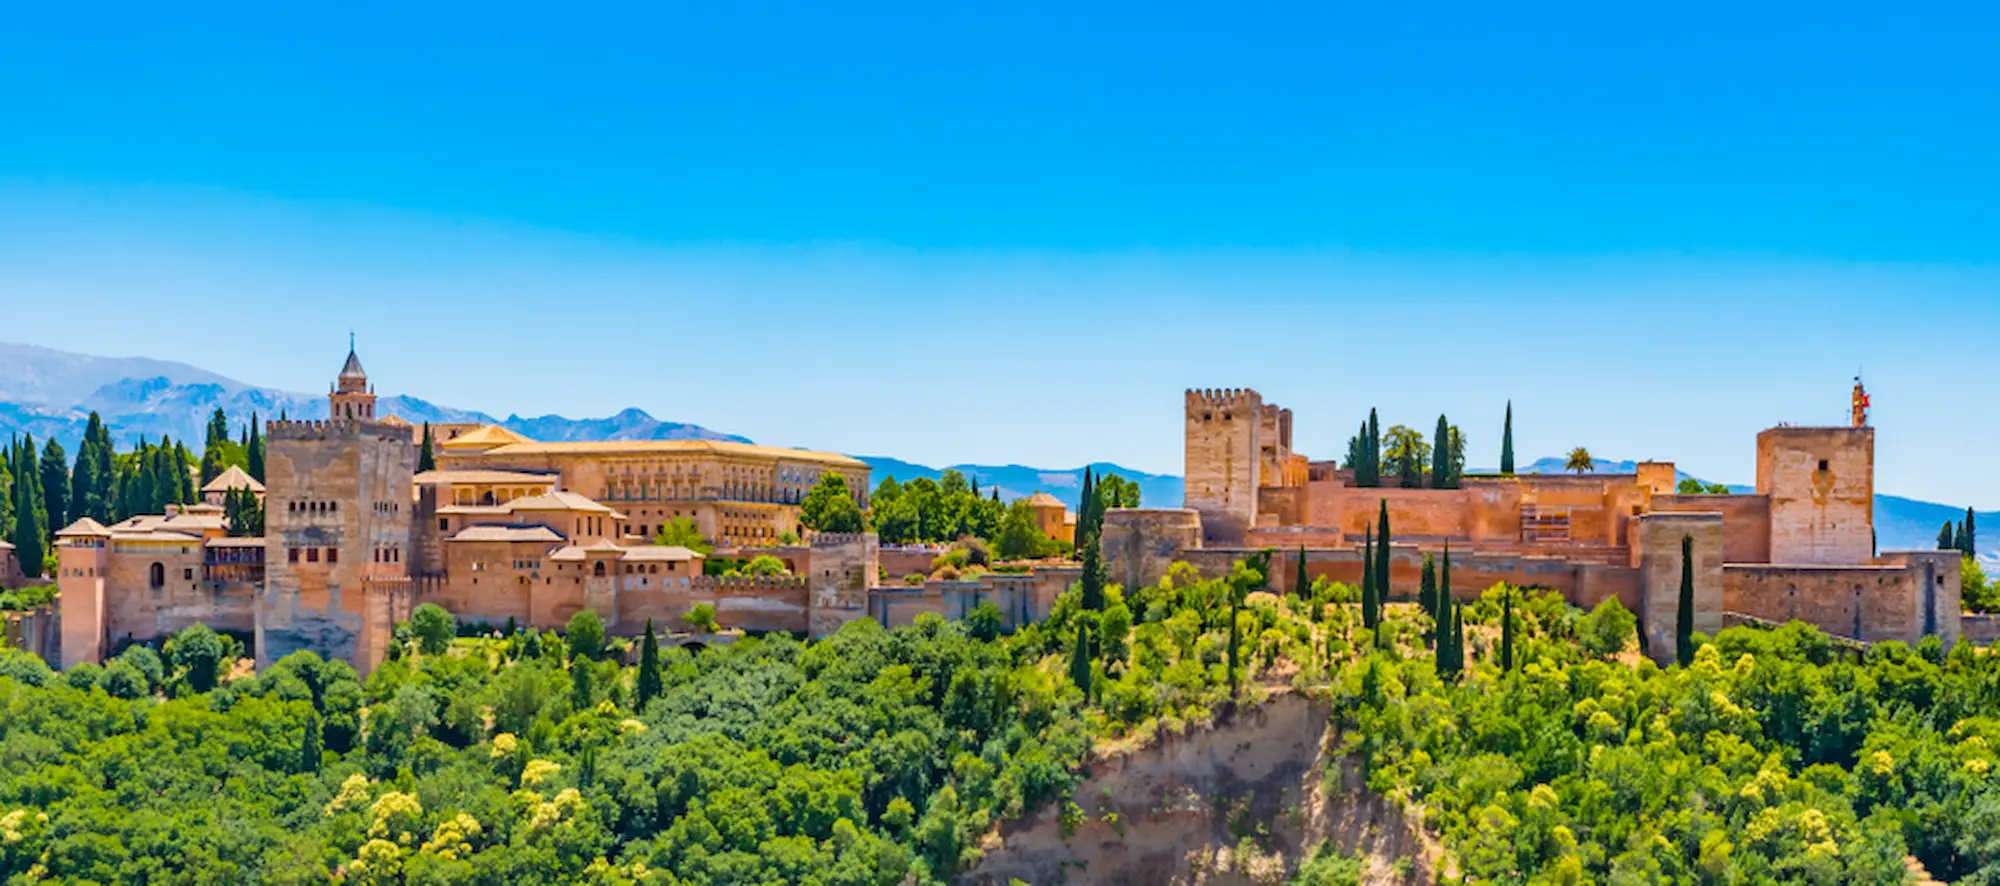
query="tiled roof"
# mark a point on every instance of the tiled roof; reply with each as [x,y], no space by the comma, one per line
[557,500]
[1044,500]
[481,475]
[507,533]
[234,478]
[84,527]
[643,553]
[487,435]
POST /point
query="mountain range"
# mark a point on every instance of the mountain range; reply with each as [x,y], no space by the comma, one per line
[51,393]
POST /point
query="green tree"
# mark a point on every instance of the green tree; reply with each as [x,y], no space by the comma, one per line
[983,622]
[585,635]
[1114,491]
[309,742]
[1091,581]
[255,454]
[1606,630]
[1684,615]
[28,510]
[682,532]
[701,619]
[829,507]
[427,455]
[1441,477]
[1507,631]
[1427,586]
[1020,538]
[1579,461]
[1080,658]
[55,487]
[1408,455]
[198,655]
[649,678]
[1970,546]
[434,628]
[1507,442]
[1374,450]
[765,566]
[1302,583]
[1369,616]
[1947,539]
[1382,562]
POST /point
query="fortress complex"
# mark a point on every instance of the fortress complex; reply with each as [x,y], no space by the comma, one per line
[1801,546]
[505,528]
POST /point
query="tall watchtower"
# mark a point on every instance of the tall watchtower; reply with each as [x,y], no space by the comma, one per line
[337,530]
[1821,482]
[1224,451]
[351,396]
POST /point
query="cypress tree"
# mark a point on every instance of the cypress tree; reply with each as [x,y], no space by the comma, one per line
[1374,449]
[182,461]
[309,743]
[27,505]
[1235,641]
[1368,579]
[1079,659]
[1382,561]
[1946,540]
[427,461]
[1457,638]
[1427,586]
[104,476]
[1444,601]
[1971,546]
[1441,457]
[82,482]
[1091,582]
[218,429]
[1684,619]
[1507,631]
[1302,585]
[255,457]
[55,486]
[1507,442]
[649,668]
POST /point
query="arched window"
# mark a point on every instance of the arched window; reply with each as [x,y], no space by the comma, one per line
[598,570]
[159,575]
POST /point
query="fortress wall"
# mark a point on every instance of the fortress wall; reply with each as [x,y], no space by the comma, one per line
[1138,544]
[1746,522]
[1657,545]
[1223,451]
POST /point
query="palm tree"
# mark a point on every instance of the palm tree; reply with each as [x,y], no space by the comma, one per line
[1579,462]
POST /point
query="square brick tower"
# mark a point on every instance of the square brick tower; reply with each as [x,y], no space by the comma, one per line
[337,530]
[1225,431]
[1821,482]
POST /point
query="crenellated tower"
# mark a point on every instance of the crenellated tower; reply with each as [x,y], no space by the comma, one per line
[1224,455]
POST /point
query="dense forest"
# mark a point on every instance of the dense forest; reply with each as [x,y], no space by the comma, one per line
[887,756]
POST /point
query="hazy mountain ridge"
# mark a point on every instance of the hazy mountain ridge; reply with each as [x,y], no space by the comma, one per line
[51,393]
[1018,481]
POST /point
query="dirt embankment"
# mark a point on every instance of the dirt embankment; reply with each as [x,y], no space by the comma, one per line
[1178,812]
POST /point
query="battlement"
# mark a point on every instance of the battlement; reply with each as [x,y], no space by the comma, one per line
[307,430]
[1222,399]
[746,583]
[841,539]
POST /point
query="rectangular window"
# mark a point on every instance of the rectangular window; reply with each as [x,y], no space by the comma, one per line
[444,523]
[332,555]
[292,555]
[312,555]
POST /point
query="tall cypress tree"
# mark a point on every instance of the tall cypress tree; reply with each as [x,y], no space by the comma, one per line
[426,458]
[254,459]
[55,486]
[1507,442]
[27,512]
[1947,539]
[1507,631]
[1091,582]
[1457,638]
[1684,619]
[104,476]
[1302,585]
[1079,659]
[1427,587]
[1382,561]
[1235,641]
[1374,449]
[1368,578]
[182,464]
[650,681]
[1971,546]
[1441,457]
[1444,588]
[28,464]
[309,742]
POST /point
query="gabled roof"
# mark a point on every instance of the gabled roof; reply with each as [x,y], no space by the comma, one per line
[233,541]
[84,527]
[395,421]
[1044,500]
[508,533]
[234,478]
[557,500]
[488,436]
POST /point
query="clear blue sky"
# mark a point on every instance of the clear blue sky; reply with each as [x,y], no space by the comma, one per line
[1015,233]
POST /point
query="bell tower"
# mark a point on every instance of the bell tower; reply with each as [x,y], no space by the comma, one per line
[351,397]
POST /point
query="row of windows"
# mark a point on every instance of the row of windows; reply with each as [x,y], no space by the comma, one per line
[390,554]
[312,507]
[387,507]
[312,555]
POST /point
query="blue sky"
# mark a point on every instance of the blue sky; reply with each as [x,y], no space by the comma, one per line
[1015,234]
